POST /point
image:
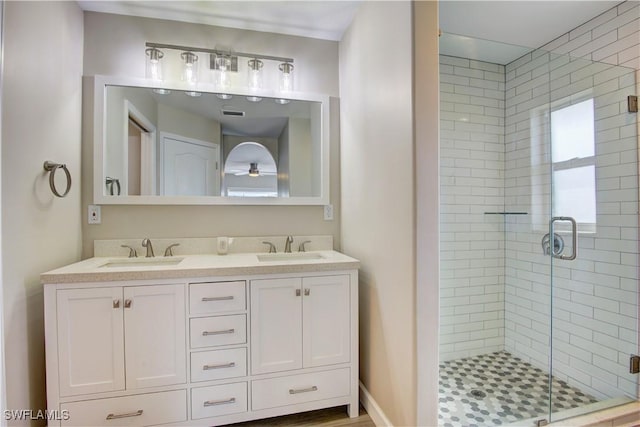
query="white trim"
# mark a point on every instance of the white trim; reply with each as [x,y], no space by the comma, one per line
[378,417]
[146,181]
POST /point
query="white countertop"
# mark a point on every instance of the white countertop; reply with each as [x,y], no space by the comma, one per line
[192,266]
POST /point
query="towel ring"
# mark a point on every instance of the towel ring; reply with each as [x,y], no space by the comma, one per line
[52,168]
[110,182]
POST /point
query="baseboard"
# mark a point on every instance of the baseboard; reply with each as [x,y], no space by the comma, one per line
[373,409]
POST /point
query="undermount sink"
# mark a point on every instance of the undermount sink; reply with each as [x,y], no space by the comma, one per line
[294,256]
[142,262]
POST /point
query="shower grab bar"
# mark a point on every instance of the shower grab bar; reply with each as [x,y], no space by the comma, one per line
[574,237]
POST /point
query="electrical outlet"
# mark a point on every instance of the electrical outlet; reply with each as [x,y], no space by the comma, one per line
[94,216]
[328,212]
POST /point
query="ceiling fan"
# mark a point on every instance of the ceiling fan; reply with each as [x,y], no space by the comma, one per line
[253,171]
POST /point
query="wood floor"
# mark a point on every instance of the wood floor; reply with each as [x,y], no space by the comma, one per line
[331,417]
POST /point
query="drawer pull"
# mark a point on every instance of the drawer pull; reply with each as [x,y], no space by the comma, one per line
[303,390]
[226,331]
[224,365]
[208,299]
[219,402]
[129,415]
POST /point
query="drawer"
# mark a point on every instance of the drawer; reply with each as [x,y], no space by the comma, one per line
[218,400]
[302,388]
[218,364]
[138,410]
[218,330]
[218,297]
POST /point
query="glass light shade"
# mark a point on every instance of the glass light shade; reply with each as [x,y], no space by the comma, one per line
[286,77]
[153,68]
[189,67]
[254,76]
[222,77]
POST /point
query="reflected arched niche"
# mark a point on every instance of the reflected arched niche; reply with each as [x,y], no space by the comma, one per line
[250,171]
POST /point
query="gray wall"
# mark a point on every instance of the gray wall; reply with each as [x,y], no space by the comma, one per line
[41,110]
[114,45]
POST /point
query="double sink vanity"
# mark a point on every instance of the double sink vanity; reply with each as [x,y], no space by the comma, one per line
[200,338]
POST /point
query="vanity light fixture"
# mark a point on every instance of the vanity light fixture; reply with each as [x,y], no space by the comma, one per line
[281,101]
[224,96]
[193,93]
[253,170]
[161,91]
[153,64]
[254,98]
[286,78]
[189,68]
[222,62]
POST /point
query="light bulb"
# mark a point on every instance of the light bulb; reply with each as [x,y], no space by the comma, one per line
[255,74]
[190,68]
[223,80]
[286,78]
[153,64]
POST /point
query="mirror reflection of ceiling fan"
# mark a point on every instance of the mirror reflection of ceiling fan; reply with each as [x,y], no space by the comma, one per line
[252,171]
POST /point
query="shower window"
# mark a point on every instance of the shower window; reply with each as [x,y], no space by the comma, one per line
[573,157]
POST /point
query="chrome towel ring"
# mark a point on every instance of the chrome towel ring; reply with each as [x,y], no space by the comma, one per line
[52,167]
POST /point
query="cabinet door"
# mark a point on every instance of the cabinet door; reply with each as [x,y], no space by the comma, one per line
[90,340]
[154,318]
[276,325]
[326,320]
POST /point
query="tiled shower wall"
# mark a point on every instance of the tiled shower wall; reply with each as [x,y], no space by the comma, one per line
[594,302]
[593,316]
[472,183]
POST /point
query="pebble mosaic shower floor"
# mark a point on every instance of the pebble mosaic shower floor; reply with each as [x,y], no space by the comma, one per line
[497,389]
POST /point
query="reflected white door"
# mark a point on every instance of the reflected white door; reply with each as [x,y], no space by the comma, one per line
[189,167]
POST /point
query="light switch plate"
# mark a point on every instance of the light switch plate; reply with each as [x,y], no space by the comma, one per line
[94,215]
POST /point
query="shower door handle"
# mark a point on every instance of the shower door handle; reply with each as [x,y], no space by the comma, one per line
[574,237]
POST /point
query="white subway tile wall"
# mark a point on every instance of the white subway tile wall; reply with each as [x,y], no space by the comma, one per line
[472,183]
[495,156]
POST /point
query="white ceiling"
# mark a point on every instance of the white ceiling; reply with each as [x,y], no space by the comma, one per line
[522,23]
[307,18]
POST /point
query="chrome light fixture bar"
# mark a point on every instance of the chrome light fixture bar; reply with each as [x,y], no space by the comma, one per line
[232,55]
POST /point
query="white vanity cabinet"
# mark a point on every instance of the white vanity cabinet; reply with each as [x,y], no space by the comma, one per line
[108,334]
[299,323]
[201,351]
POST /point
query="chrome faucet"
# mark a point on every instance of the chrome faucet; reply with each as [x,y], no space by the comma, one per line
[287,245]
[146,243]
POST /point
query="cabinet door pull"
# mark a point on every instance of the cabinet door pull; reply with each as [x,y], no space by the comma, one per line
[226,331]
[208,299]
[297,292]
[307,291]
[116,303]
[219,402]
[303,390]
[127,303]
[129,415]
[224,365]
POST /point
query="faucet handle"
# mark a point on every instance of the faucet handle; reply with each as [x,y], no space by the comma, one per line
[132,252]
[272,247]
[301,248]
[169,251]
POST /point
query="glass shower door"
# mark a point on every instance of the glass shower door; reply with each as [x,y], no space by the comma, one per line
[591,242]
